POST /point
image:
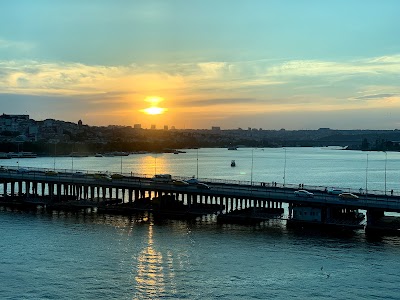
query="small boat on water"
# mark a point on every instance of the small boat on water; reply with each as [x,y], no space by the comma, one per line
[232,148]
[233,163]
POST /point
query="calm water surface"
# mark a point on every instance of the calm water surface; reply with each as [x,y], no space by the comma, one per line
[49,255]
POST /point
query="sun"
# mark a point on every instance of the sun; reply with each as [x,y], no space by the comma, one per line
[154,110]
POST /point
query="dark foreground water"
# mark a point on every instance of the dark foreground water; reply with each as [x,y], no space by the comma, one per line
[88,256]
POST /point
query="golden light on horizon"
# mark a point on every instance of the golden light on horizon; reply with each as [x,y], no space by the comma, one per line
[154,109]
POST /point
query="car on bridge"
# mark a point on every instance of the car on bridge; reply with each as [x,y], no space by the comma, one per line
[303,194]
[203,186]
[348,196]
[51,173]
[117,176]
[180,183]
[334,191]
[78,174]
[192,181]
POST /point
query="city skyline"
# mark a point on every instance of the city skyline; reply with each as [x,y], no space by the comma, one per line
[259,64]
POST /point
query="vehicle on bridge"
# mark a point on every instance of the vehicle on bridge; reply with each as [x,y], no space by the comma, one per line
[162,178]
[51,173]
[334,191]
[203,186]
[102,176]
[78,174]
[304,194]
[180,183]
[348,196]
[117,176]
[192,181]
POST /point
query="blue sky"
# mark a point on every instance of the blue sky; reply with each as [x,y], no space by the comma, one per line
[264,64]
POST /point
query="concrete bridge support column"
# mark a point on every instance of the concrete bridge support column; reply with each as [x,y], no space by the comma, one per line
[374,215]
[92,194]
[189,200]
[221,203]
[59,191]
[136,195]
[34,189]
[51,191]
[12,189]
[28,188]
[130,191]
[290,210]
[86,192]
[5,186]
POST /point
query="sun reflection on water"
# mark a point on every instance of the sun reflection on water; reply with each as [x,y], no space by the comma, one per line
[153,272]
[153,164]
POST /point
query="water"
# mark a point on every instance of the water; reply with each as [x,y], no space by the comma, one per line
[87,256]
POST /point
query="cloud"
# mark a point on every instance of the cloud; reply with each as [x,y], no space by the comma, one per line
[214,102]
[14,45]
[249,84]
[376,96]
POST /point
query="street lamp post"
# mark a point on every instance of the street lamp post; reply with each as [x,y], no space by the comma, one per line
[55,151]
[385,169]
[284,170]
[366,178]
[252,163]
[18,157]
[197,169]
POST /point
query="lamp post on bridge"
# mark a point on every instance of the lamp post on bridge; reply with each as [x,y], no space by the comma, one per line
[284,170]
[385,170]
[252,163]
[55,154]
[366,178]
[197,169]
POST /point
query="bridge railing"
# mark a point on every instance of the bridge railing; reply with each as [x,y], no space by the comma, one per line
[273,184]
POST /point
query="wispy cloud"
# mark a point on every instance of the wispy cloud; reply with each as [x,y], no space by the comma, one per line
[15,45]
[295,82]
[376,96]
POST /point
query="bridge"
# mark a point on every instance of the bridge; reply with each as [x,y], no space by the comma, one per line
[233,201]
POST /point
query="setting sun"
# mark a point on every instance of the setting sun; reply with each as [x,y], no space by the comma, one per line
[154,110]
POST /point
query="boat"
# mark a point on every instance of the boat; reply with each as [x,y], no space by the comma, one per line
[98,155]
[232,148]
[233,163]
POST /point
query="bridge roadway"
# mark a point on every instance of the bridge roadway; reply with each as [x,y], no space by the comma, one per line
[256,191]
